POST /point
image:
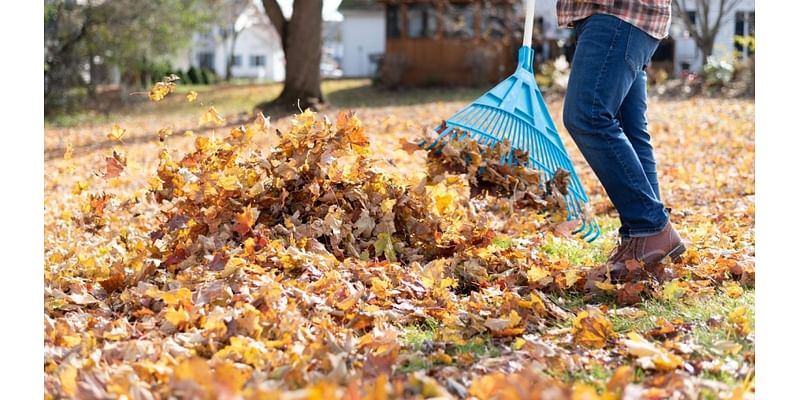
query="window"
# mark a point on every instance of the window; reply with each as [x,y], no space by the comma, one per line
[205,60]
[392,21]
[421,20]
[692,17]
[236,60]
[458,20]
[258,60]
[745,27]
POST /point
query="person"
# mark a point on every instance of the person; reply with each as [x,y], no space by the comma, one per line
[605,114]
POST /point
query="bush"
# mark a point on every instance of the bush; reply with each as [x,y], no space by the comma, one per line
[209,77]
[717,73]
[193,76]
[553,75]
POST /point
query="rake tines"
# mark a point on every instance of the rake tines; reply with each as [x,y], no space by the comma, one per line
[515,110]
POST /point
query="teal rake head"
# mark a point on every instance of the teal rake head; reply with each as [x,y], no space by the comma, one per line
[515,110]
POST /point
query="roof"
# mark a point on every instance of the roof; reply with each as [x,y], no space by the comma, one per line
[360,5]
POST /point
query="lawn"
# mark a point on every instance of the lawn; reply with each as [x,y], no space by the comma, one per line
[113,330]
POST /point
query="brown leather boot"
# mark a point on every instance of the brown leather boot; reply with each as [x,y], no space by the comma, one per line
[647,251]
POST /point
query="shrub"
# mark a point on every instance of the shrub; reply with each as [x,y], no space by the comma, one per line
[193,76]
[208,76]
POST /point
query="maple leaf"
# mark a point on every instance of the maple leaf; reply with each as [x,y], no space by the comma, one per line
[409,147]
[115,164]
[211,116]
[177,317]
[245,220]
[591,329]
[116,133]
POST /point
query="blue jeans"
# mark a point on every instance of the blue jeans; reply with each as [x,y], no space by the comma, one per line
[604,112]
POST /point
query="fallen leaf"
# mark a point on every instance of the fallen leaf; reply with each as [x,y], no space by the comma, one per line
[592,329]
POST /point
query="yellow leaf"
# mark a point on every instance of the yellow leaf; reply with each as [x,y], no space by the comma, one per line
[228,182]
[80,187]
[177,317]
[191,96]
[606,286]
[68,377]
[233,265]
[537,274]
[181,296]
[163,133]
[591,329]
[732,289]
[212,116]
[741,320]
[68,151]
[197,371]
[584,391]
[116,133]
[347,303]
[232,378]
[155,183]
[380,287]
[651,355]
[571,276]
[161,90]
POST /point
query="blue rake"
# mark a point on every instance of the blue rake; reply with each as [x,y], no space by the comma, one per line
[515,110]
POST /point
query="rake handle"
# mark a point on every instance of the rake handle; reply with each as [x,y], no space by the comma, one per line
[527,36]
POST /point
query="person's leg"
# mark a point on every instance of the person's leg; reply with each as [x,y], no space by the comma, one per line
[632,116]
[633,119]
[609,55]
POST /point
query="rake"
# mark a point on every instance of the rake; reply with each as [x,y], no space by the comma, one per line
[515,110]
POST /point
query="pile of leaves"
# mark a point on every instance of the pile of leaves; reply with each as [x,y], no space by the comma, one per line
[245,273]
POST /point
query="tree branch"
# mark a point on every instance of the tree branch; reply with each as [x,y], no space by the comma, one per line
[273,11]
[680,7]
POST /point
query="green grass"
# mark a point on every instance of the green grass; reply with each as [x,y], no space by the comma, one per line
[415,337]
[695,311]
[581,253]
[242,97]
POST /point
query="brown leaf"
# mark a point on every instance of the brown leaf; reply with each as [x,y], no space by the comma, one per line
[591,329]
[630,293]
[115,165]
[115,281]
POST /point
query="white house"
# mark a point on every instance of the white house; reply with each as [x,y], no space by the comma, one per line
[258,53]
[740,22]
[363,36]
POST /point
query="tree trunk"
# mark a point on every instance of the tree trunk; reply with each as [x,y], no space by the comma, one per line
[706,48]
[302,48]
[231,53]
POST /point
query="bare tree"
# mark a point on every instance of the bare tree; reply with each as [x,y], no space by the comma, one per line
[234,16]
[301,39]
[709,17]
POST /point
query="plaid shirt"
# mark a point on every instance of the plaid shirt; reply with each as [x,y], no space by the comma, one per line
[651,16]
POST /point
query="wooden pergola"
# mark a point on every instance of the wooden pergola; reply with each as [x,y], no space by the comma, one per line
[449,42]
